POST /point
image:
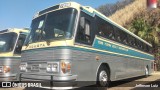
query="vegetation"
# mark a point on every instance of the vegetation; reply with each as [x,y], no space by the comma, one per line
[109,9]
[127,14]
[147,26]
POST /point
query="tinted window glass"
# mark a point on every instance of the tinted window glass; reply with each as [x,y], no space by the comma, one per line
[120,36]
[7,42]
[105,29]
[54,25]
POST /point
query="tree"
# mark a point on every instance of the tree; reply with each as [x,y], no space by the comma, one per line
[143,29]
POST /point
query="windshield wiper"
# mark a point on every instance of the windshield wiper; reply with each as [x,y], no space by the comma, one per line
[27,43]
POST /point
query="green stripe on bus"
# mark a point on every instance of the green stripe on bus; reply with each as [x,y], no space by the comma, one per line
[79,49]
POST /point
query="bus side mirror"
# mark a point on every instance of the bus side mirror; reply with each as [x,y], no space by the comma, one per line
[82,22]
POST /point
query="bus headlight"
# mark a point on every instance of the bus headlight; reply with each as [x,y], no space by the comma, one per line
[23,67]
[6,69]
[52,67]
[1,69]
[65,66]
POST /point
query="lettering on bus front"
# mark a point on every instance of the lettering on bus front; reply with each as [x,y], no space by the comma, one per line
[37,46]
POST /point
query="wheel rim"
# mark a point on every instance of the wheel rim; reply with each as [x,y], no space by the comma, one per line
[103,78]
[146,71]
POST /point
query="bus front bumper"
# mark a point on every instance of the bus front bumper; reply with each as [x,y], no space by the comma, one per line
[50,81]
[8,77]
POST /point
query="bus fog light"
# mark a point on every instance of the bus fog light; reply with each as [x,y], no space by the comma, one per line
[52,67]
[23,67]
[6,69]
[65,66]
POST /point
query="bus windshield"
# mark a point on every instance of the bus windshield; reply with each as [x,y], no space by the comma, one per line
[52,26]
[7,41]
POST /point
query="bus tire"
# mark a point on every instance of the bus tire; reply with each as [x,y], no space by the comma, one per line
[103,77]
[146,71]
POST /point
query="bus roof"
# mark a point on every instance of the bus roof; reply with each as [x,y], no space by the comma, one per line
[56,7]
[23,30]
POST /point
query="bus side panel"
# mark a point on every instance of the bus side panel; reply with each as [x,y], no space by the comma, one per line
[85,65]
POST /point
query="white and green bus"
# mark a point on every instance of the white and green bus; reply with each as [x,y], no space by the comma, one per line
[11,41]
[69,42]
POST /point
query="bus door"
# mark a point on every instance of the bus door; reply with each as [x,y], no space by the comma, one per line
[85,33]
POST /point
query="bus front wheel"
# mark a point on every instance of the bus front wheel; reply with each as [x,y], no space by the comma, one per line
[103,77]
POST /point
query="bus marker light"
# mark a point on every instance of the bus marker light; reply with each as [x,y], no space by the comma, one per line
[65,66]
[6,69]
[97,58]
[68,66]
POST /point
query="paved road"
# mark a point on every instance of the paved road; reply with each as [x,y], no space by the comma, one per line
[139,83]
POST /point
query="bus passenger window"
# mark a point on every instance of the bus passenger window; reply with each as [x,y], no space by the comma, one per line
[125,41]
[132,41]
[105,29]
[150,49]
[118,35]
[138,44]
[111,36]
[141,45]
[101,33]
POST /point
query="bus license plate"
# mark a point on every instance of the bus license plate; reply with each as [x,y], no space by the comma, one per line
[35,67]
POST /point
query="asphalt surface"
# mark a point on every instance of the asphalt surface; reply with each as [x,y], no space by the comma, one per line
[139,83]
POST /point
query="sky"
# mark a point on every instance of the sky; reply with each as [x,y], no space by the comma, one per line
[19,13]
